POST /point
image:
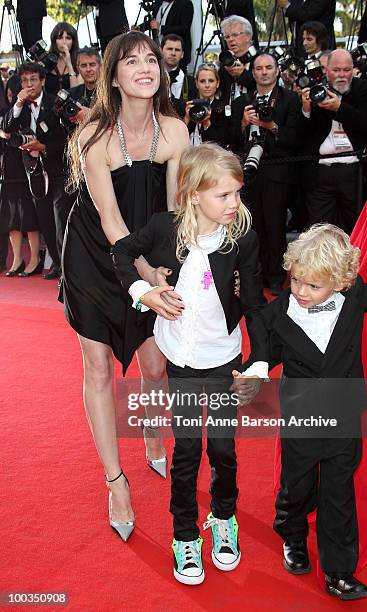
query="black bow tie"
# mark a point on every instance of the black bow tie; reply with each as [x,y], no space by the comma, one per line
[173,75]
[326,308]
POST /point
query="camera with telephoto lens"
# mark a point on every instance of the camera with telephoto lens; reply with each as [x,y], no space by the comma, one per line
[66,107]
[200,110]
[252,161]
[38,53]
[264,110]
[19,139]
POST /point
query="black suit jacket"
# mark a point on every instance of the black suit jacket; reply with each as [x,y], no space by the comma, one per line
[287,116]
[301,11]
[54,138]
[352,114]
[190,91]
[157,242]
[31,9]
[179,20]
[330,383]
[112,16]
[246,79]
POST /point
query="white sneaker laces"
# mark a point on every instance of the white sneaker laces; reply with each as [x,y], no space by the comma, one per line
[224,532]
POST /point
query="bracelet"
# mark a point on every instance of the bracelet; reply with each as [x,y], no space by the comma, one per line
[139,303]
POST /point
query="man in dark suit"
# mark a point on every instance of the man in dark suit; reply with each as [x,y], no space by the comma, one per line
[111,19]
[33,110]
[30,15]
[270,190]
[182,86]
[236,79]
[336,125]
[175,17]
[299,11]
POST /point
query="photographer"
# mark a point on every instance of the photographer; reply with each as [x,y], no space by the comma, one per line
[300,11]
[237,78]
[33,111]
[272,120]
[182,86]
[242,8]
[205,117]
[89,65]
[111,19]
[336,124]
[174,17]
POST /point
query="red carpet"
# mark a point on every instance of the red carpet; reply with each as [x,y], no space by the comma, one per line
[54,531]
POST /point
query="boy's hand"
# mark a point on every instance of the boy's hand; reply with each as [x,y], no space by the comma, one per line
[246,387]
[153,299]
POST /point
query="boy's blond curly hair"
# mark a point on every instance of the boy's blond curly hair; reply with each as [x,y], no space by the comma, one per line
[326,252]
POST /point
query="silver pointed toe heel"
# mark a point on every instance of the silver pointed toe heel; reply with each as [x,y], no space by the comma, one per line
[159,466]
[123,528]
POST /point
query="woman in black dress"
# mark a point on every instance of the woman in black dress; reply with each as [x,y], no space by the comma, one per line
[129,147]
[64,44]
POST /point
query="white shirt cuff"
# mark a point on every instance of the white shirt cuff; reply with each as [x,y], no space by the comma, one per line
[138,289]
[259,368]
[16,111]
[305,114]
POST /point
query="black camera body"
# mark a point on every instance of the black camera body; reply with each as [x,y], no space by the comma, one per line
[287,61]
[18,139]
[227,58]
[66,107]
[38,53]
[200,110]
[359,53]
[263,109]
[314,78]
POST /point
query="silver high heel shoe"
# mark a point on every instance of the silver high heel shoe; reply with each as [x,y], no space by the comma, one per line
[157,465]
[123,528]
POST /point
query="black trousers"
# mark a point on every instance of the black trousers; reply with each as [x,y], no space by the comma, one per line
[31,31]
[52,213]
[268,203]
[215,382]
[318,474]
[334,198]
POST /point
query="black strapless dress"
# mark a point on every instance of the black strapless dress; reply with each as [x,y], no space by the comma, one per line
[96,305]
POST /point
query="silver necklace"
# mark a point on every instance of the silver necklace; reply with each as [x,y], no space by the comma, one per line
[154,145]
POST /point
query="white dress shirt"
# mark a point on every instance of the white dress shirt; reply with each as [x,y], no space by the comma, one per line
[199,337]
[318,326]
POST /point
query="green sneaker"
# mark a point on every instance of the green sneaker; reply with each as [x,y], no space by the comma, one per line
[226,553]
[188,567]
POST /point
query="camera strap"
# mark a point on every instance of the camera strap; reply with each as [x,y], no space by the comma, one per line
[34,168]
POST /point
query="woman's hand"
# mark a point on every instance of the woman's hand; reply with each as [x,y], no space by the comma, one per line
[153,300]
[171,298]
[187,118]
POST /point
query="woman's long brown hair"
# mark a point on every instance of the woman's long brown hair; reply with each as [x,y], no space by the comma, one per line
[106,109]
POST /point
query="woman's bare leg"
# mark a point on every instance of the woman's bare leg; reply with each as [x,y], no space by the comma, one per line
[16,244]
[99,402]
[34,245]
[152,365]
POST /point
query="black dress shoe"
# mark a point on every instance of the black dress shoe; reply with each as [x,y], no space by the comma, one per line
[275,289]
[345,586]
[54,272]
[37,270]
[17,271]
[296,560]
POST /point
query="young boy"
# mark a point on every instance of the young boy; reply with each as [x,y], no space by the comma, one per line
[315,330]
